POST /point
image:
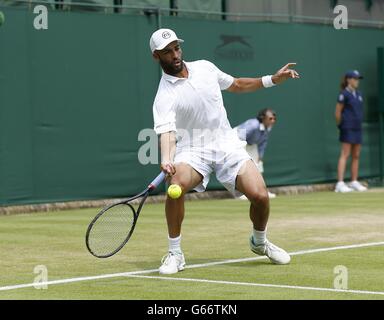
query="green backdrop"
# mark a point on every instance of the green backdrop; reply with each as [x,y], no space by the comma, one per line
[74,97]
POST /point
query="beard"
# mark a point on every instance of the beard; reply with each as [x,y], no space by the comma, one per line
[171,68]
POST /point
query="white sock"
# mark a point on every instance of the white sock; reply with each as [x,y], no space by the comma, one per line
[259,237]
[174,244]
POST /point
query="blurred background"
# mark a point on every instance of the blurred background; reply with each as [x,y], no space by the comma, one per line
[74,97]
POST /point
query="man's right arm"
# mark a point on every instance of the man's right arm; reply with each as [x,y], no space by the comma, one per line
[164,117]
[168,150]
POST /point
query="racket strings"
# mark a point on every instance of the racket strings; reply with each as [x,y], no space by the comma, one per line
[111,229]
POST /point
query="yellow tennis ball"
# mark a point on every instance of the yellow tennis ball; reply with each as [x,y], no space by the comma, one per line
[174,191]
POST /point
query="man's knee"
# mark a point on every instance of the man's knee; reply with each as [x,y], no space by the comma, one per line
[184,185]
[186,177]
[184,181]
[259,197]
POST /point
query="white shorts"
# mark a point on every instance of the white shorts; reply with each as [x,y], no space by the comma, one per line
[226,165]
[253,151]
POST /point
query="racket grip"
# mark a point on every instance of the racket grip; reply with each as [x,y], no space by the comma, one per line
[155,183]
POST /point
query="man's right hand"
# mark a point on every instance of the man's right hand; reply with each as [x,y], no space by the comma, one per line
[168,168]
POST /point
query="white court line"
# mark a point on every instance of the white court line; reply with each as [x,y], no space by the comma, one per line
[201,265]
[266,285]
[296,253]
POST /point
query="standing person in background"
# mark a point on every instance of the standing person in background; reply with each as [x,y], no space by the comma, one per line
[255,132]
[349,119]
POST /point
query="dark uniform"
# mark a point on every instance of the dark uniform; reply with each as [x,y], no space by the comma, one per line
[351,116]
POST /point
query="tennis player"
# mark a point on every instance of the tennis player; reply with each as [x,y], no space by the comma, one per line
[196,140]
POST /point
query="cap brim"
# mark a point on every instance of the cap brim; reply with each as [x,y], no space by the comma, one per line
[167,43]
[354,77]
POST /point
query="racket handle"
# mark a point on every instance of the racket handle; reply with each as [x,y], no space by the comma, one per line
[155,183]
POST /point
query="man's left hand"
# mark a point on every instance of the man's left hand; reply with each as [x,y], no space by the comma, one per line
[285,73]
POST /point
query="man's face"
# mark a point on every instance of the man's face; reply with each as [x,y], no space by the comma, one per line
[269,120]
[170,58]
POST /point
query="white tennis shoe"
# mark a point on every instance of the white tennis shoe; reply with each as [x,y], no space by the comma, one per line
[171,263]
[274,253]
[342,187]
[357,186]
[271,195]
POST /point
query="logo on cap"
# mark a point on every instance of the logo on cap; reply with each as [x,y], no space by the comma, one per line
[166,35]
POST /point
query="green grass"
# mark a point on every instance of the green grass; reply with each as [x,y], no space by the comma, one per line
[213,230]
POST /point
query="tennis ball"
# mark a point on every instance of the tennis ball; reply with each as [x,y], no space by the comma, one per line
[174,191]
[2,18]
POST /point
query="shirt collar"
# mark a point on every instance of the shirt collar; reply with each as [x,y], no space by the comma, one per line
[262,127]
[173,79]
[350,90]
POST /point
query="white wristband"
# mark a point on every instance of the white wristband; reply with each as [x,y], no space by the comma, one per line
[267,81]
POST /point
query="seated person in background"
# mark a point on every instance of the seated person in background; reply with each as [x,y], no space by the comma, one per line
[255,132]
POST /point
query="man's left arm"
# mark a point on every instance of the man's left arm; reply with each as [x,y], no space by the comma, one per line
[241,85]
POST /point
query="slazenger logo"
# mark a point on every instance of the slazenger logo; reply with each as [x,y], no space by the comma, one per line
[234,48]
[166,35]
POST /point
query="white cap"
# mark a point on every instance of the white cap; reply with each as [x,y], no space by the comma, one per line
[161,38]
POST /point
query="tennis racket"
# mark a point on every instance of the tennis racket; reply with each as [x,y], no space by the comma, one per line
[113,226]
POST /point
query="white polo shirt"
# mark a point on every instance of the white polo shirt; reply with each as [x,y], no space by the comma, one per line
[193,107]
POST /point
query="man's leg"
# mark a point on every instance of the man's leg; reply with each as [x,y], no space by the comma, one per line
[187,178]
[250,182]
[254,154]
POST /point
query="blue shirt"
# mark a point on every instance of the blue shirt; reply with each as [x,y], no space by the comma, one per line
[254,132]
[352,114]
